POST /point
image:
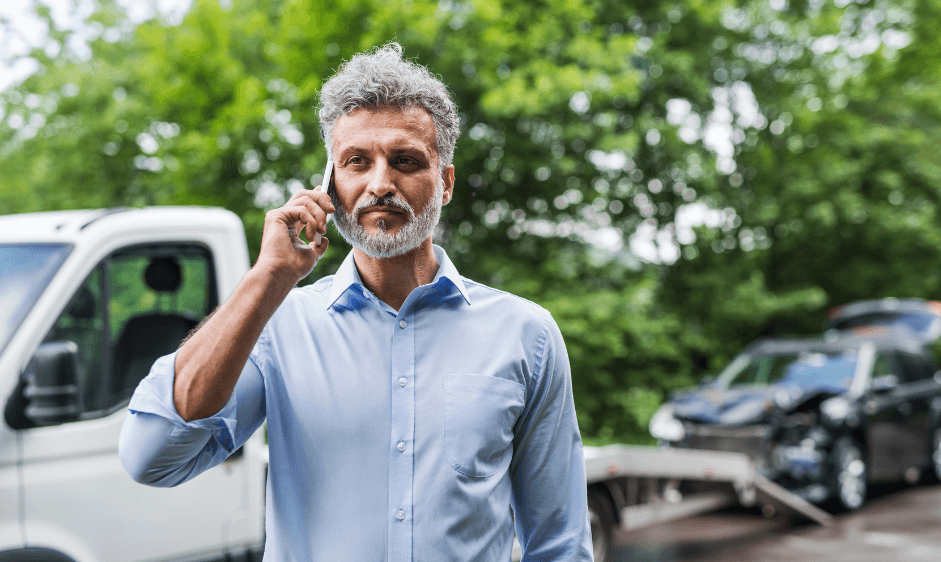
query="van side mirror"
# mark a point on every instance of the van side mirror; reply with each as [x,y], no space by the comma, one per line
[51,388]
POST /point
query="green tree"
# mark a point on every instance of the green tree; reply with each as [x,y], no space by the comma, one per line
[778,157]
[834,196]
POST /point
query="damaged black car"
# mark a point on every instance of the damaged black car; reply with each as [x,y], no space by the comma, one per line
[826,416]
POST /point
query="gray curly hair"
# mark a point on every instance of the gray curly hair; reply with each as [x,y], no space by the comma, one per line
[382,79]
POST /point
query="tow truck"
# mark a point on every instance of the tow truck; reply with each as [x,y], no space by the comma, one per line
[631,487]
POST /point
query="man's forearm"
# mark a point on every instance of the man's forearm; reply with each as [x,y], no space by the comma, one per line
[209,363]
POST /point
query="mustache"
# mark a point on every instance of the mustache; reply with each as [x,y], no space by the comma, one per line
[390,201]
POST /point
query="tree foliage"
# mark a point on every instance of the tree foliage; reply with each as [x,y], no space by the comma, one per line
[670,179]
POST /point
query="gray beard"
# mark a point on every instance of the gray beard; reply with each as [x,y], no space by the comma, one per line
[382,244]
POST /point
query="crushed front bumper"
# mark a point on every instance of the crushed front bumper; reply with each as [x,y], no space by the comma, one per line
[800,466]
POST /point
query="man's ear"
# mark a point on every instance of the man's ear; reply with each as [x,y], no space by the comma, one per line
[447,176]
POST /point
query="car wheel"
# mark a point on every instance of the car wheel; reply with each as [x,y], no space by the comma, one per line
[936,454]
[850,474]
[602,523]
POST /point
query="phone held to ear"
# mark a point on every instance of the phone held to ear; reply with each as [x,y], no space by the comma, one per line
[325,187]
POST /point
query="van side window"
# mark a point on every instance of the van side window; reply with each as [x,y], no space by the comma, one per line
[136,306]
[83,322]
[157,298]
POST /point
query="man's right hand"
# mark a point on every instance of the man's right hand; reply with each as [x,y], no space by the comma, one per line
[209,363]
[283,252]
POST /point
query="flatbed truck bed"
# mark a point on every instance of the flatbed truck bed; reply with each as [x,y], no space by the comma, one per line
[632,486]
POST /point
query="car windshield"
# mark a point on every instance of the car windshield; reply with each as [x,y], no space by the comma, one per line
[25,270]
[831,370]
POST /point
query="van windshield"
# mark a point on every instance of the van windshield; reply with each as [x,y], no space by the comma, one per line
[25,270]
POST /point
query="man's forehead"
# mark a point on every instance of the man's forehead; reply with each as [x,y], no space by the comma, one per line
[410,122]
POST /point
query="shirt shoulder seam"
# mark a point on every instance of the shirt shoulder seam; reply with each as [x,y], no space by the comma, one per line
[516,297]
[542,343]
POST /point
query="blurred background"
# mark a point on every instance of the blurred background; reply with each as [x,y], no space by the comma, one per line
[670,179]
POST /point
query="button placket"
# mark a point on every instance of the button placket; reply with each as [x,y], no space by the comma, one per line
[401,458]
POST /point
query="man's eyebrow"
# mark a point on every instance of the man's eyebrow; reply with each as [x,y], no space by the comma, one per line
[407,149]
[352,148]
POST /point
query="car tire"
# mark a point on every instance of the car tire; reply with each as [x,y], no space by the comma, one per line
[850,474]
[933,474]
[601,518]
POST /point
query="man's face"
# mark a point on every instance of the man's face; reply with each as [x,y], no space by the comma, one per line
[388,186]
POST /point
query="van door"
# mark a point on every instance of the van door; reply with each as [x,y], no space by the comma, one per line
[25,270]
[134,306]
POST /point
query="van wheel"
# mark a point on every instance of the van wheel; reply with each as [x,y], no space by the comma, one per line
[601,518]
[850,474]
[33,555]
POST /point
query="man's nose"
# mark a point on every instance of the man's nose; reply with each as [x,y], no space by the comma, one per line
[382,180]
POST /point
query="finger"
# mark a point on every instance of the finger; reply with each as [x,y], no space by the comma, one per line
[299,194]
[321,247]
[319,213]
[289,216]
[315,197]
[317,194]
[296,218]
[320,220]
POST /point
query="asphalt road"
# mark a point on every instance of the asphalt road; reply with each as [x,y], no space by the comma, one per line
[898,523]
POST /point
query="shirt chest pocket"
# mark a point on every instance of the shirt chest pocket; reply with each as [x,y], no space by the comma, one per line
[479,415]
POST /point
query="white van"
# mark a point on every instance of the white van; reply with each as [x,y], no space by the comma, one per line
[88,300]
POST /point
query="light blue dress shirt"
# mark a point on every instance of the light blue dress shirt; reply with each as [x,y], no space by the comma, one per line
[393,436]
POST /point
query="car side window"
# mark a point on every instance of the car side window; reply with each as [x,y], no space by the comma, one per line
[909,368]
[136,306]
[930,365]
[917,367]
[885,365]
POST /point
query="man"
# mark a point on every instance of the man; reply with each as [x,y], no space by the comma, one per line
[412,413]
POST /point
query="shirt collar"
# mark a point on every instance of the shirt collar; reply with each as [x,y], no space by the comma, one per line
[347,276]
[446,270]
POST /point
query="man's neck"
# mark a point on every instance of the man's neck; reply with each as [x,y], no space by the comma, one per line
[393,279]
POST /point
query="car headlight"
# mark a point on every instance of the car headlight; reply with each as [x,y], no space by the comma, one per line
[835,409]
[665,426]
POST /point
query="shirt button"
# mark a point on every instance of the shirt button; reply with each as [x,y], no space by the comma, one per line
[401,446]
[403,381]
[403,324]
[400,515]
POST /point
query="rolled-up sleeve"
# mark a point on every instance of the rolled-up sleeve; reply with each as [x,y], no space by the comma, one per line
[548,468]
[157,447]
